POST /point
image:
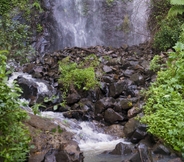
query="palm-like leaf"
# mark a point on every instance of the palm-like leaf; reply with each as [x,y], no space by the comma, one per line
[177,2]
[175,10]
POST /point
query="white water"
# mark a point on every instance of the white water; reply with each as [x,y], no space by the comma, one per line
[92,140]
[85,23]
[42,88]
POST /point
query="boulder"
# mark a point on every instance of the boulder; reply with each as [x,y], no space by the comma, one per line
[112,117]
[115,89]
[123,149]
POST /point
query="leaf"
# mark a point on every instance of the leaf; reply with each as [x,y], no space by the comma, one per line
[177,2]
[55,107]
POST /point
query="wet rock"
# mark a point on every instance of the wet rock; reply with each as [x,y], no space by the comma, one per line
[161,149]
[133,112]
[122,104]
[115,89]
[35,90]
[128,72]
[73,98]
[176,160]
[137,78]
[103,104]
[139,134]
[111,116]
[115,130]
[130,127]
[107,69]
[29,68]
[51,142]
[123,149]
[76,114]
[107,79]
[71,153]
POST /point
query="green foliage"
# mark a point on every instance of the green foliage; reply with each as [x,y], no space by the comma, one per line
[177,8]
[109,2]
[14,137]
[164,107]
[15,27]
[82,76]
[168,34]
[156,63]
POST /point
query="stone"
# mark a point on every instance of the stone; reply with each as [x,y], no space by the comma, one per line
[111,116]
[73,98]
[104,103]
[107,69]
[176,160]
[122,104]
[137,136]
[76,114]
[137,78]
[130,127]
[161,149]
[115,89]
[123,149]
[133,112]
[115,130]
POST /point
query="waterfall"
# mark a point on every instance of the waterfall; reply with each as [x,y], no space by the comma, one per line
[85,23]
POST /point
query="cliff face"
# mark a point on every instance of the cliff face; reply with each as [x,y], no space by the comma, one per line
[85,23]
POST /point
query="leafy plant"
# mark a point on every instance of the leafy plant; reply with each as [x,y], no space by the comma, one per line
[155,63]
[14,136]
[16,28]
[177,8]
[163,109]
[168,34]
[81,75]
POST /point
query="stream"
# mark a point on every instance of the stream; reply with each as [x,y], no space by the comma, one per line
[91,139]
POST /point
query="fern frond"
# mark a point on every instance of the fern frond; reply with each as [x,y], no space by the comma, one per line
[176,10]
[177,2]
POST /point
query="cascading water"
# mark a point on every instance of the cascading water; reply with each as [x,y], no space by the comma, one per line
[85,23]
[91,139]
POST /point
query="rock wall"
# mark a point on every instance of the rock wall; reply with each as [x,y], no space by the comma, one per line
[85,23]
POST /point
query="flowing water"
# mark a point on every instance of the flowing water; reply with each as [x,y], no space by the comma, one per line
[85,23]
[91,139]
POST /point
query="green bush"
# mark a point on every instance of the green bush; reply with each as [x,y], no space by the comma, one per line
[164,104]
[81,75]
[14,137]
[168,34]
[17,18]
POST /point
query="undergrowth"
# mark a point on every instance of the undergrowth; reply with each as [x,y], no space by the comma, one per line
[164,107]
[81,75]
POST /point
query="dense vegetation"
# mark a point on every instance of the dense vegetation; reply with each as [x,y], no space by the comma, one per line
[164,109]
[164,101]
[14,137]
[15,18]
[168,20]
[81,75]
[16,24]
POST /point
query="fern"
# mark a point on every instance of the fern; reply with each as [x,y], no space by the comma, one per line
[177,2]
[176,10]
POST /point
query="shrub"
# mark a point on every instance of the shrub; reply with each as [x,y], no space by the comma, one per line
[164,106]
[81,75]
[17,23]
[168,34]
[14,137]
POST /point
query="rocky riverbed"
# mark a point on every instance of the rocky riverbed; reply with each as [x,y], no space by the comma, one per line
[123,72]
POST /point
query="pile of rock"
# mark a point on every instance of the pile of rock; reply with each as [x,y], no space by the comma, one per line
[123,72]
